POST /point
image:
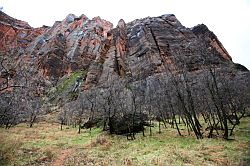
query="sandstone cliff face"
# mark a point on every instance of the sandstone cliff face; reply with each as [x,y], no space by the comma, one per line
[148,47]
[210,38]
[138,50]
[15,35]
[69,45]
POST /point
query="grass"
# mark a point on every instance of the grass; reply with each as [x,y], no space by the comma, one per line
[64,86]
[44,143]
[66,82]
[22,145]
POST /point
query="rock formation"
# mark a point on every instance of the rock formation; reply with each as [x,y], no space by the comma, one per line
[138,49]
[16,34]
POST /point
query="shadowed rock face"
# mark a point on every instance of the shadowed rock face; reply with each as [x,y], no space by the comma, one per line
[210,38]
[139,49]
[146,47]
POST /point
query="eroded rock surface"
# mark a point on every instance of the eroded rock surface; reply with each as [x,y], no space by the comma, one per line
[138,49]
[15,34]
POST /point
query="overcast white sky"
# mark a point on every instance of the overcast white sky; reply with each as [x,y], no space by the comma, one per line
[228,19]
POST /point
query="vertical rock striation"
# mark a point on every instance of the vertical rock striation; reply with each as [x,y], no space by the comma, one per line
[138,49]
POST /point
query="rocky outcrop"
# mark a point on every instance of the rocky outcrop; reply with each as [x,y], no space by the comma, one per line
[135,50]
[72,44]
[149,46]
[15,35]
[211,39]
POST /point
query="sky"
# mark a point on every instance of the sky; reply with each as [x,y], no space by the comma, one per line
[228,19]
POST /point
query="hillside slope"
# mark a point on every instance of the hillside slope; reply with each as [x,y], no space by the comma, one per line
[149,66]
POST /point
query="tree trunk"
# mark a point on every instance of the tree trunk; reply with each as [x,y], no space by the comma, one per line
[79,127]
[150,130]
[61,125]
[159,126]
